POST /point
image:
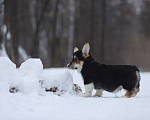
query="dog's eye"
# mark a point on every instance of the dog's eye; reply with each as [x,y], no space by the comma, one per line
[75,59]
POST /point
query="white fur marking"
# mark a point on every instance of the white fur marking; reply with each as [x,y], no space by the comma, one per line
[88,90]
[98,93]
[118,89]
[79,67]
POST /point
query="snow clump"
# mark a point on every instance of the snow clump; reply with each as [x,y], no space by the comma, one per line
[9,76]
[29,78]
[31,71]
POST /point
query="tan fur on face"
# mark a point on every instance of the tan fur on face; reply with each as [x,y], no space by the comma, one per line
[73,64]
[78,65]
[78,62]
[81,62]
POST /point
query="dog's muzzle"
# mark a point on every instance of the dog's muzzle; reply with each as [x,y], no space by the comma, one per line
[68,65]
[71,67]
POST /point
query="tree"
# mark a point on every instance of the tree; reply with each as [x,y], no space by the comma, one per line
[118,30]
[1,23]
[71,27]
[12,21]
[145,17]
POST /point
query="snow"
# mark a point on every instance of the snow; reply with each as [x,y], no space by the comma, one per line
[3,52]
[8,36]
[31,72]
[9,75]
[63,81]
[30,104]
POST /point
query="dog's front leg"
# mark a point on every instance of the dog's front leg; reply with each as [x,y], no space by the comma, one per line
[88,90]
[98,93]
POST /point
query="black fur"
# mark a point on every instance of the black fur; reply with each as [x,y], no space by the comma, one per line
[108,77]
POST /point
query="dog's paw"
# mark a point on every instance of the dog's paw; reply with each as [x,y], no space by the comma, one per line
[96,96]
[124,96]
[86,95]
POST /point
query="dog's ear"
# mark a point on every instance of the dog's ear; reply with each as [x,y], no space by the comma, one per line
[86,50]
[75,49]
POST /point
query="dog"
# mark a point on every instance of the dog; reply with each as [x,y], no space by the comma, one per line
[100,77]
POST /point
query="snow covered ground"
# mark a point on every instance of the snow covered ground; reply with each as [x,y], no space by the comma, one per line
[32,103]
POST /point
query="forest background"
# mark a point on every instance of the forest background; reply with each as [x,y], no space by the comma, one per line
[117,30]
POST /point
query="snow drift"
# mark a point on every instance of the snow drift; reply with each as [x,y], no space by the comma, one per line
[9,76]
[31,73]
[63,82]
[27,78]
[32,106]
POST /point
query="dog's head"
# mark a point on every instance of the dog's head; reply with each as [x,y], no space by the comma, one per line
[80,57]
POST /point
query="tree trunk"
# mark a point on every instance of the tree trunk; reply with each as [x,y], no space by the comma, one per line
[36,40]
[1,23]
[12,20]
[71,28]
[103,30]
[54,39]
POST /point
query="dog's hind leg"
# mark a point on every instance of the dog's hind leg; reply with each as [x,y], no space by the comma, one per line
[128,94]
[136,89]
[133,93]
[88,90]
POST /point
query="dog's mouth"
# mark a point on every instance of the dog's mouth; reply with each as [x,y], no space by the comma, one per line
[71,67]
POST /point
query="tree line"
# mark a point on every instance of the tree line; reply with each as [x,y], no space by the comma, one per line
[117,30]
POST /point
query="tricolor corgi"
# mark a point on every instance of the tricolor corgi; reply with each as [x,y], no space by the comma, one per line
[102,77]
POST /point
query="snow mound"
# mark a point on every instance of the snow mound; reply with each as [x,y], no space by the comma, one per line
[9,76]
[29,78]
[31,71]
[25,79]
[62,81]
